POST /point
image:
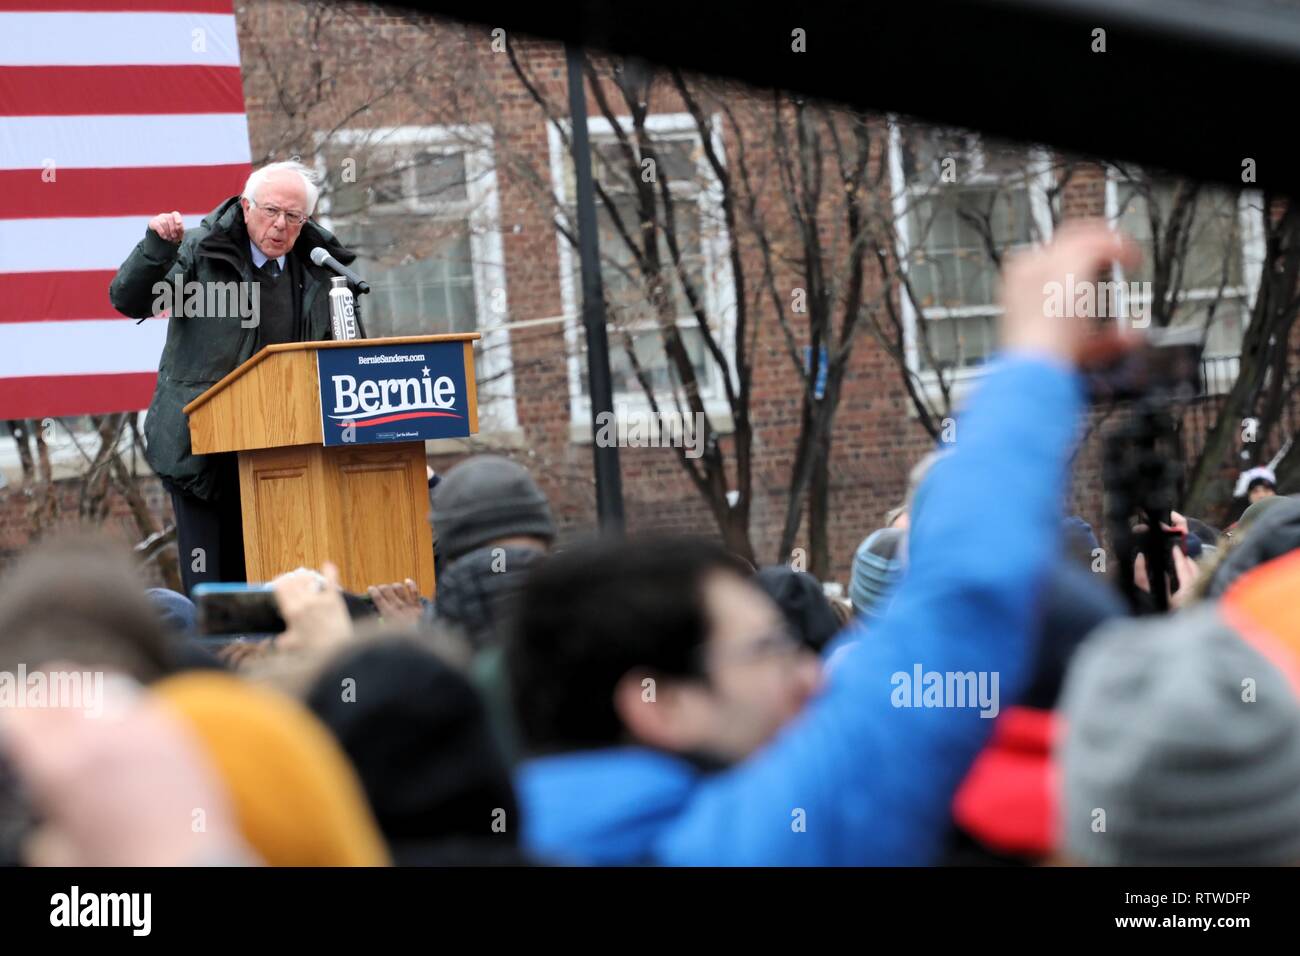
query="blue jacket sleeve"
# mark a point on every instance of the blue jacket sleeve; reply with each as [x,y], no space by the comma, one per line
[860,779]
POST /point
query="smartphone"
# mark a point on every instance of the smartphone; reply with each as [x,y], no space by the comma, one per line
[236,608]
[251,609]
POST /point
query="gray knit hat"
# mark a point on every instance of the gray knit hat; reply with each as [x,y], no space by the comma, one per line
[1181,747]
[485,498]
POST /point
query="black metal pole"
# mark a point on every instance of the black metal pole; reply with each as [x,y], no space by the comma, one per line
[609,485]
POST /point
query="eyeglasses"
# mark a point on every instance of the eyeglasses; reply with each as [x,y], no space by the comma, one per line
[273,213]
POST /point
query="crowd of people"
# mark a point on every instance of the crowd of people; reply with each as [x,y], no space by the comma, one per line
[985,696]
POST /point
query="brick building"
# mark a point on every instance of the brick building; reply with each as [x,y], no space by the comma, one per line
[442,169]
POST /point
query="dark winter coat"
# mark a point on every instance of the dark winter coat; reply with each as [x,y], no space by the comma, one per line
[202,349]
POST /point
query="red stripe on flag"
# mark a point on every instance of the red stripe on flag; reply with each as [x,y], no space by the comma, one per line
[59,395]
[138,191]
[120,90]
[46,296]
[116,6]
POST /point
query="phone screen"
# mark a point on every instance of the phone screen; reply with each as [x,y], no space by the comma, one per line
[251,610]
[237,609]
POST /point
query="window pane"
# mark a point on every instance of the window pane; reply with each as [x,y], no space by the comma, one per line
[1214,251]
[1226,328]
[677,159]
[676,162]
[956,229]
[977,277]
[975,339]
[416,296]
[610,167]
[925,282]
[953,267]
[464,312]
[402,286]
[687,221]
[962,342]
[941,337]
[382,172]
[629,297]
[948,280]
[648,345]
[359,177]
[942,231]
[347,198]
[1214,243]
[439,177]
[623,279]
[1133,220]
[925,148]
[618,264]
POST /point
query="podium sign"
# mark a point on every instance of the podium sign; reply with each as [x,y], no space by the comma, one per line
[330,437]
[393,393]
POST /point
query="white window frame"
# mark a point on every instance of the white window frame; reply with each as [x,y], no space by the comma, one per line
[719,289]
[1039,185]
[1253,252]
[487,251]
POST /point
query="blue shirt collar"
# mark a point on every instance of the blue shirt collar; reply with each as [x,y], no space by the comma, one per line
[260,257]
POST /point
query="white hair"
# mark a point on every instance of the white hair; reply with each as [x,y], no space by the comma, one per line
[309,180]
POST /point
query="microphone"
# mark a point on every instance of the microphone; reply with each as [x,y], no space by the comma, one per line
[323,258]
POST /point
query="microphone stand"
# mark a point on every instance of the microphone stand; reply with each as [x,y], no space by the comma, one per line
[356,306]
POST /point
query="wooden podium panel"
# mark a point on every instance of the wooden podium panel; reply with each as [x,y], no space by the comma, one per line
[363,506]
[374,483]
[284,483]
[272,403]
[322,504]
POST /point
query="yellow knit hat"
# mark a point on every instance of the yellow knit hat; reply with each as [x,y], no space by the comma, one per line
[296,796]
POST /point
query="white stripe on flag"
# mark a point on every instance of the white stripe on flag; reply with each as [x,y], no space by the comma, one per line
[80,348]
[71,245]
[118,39]
[100,142]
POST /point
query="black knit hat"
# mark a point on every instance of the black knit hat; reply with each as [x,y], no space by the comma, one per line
[418,734]
[800,597]
[485,498]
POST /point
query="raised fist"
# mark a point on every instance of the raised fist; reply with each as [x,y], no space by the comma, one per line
[168,225]
[1078,253]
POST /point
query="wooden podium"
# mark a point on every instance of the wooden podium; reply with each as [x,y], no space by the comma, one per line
[359,500]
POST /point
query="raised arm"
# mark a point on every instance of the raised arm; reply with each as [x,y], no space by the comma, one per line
[858,780]
[153,260]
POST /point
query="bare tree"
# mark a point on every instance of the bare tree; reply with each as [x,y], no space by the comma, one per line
[1195,275]
[108,450]
[809,224]
[1265,385]
[651,256]
[815,234]
[29,436]
[827,170]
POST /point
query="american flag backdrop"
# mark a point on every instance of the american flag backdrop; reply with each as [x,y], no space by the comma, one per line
[111,111]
